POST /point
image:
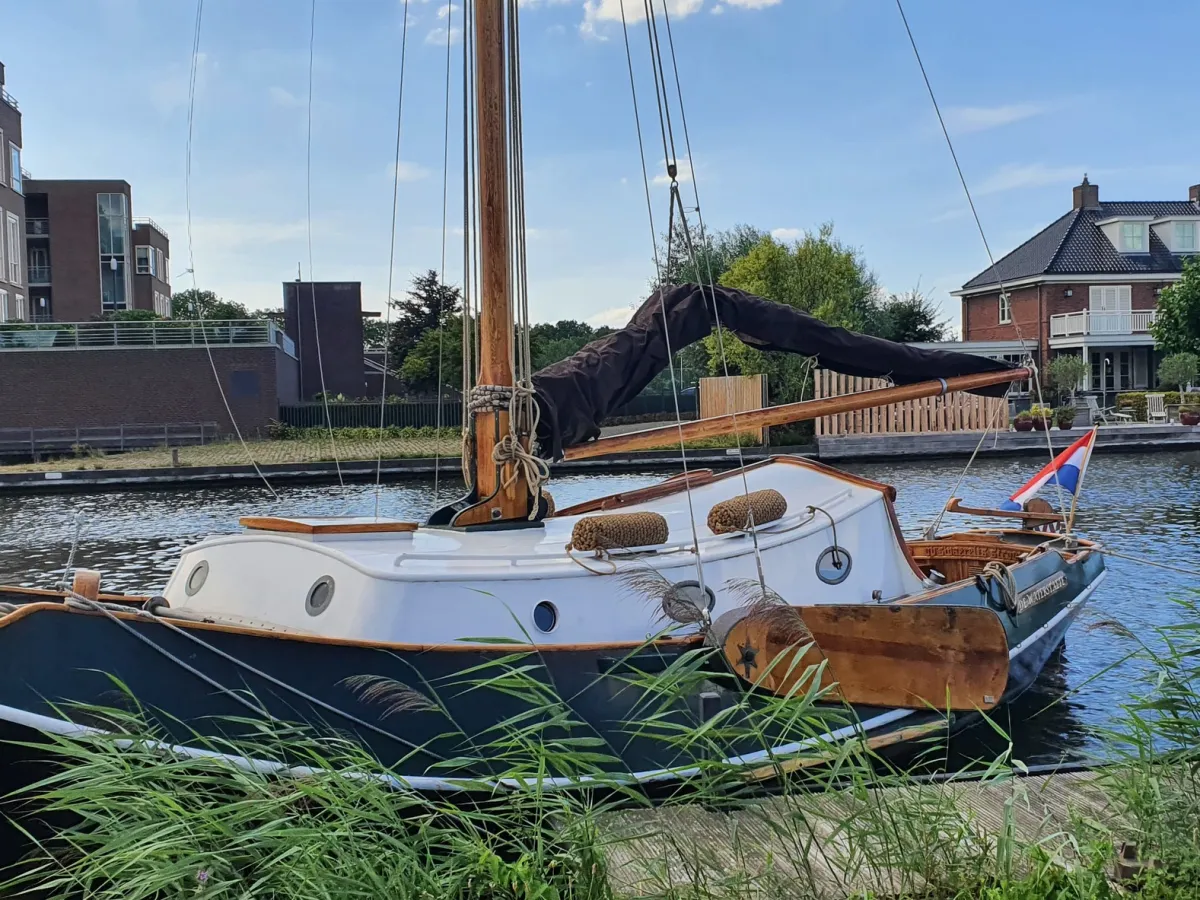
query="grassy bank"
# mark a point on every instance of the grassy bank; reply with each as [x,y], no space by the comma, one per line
[159,825]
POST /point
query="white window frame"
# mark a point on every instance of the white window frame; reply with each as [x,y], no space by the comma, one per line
[1005,309]
[166,270]
[1110,299]
[1142,237]
[1180,246]
[2,162]
[156,268]
[138,268]
[15,182]
[22,313]
[3,305]
[13,231]
[3,268]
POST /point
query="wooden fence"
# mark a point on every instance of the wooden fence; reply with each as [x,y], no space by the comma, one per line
[953,412]
[735,394]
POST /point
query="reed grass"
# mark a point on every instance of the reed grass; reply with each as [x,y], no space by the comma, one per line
[149,822]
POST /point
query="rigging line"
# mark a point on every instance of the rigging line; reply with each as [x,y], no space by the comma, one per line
[387,322]
[187,195]
[660,90]
[637,121]
[312,287]
[437,441]
[468,365]
[687,144]
[1062,505]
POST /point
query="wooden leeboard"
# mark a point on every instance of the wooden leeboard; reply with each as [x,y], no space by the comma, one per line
[913,657]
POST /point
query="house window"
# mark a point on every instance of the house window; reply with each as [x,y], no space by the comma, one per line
[157,267]
[165,275]
[2,157]
[1185,237]
[1005,309]
[112,211]
[14,168]
[14,249]
[22,312]
[1133,237]
[3,271]
[141,256]
[3,306]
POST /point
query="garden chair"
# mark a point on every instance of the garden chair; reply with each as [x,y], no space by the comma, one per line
[1107,415]
[1156,408]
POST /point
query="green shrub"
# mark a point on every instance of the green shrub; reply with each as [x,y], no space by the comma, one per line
[1134,403]
[1178,370]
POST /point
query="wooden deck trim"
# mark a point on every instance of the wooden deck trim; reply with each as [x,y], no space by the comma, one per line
[292,526]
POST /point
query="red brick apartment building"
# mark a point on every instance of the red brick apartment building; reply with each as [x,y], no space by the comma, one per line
[1086,284]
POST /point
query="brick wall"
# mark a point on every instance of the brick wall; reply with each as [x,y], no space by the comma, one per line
[1033,306]
[67,388]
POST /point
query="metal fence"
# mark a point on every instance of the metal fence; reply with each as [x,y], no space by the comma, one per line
[424,413]
[106,437]
[142,333]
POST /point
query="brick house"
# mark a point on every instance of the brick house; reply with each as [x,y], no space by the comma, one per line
[1086,284]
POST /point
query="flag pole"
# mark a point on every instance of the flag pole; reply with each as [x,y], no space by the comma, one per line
[1079,485]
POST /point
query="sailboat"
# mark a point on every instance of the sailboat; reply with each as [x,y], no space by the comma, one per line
[791,574]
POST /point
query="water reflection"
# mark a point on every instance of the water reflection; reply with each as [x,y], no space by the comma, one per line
[1146,506]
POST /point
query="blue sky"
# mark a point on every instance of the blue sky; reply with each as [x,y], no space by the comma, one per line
[800,113]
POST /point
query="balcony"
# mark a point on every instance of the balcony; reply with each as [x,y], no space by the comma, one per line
[39,275]
[148,334]
[1087,323]
[37,227]
[8,98]
[151,224]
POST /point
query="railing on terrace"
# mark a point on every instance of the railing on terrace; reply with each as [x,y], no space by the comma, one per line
[54,440]
[1089,322]
[148,221]
[9,98]
[39,274]
[37,227]
[152,333]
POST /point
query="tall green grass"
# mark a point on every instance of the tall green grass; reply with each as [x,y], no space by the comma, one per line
[149,822]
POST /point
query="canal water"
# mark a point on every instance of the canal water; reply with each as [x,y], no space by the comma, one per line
[1145,506]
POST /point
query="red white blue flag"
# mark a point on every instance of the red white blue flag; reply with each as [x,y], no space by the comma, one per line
[1066,470]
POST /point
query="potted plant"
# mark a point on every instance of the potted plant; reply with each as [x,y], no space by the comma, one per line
[1189,415]
[1041,417]
[1064,417]
[1023,421]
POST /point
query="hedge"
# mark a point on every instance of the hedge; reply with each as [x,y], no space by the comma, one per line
[1134,402]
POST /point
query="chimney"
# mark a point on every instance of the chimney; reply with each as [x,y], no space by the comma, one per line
[1085,195]
[1194,194]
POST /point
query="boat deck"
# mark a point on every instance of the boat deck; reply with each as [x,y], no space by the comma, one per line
[796,846]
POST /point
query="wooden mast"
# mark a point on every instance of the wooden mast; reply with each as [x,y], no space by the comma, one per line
[494,501]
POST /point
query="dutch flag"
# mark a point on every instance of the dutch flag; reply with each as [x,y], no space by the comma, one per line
[1066,469]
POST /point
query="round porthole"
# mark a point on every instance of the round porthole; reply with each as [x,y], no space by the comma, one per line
[691,592]
[545,616]
[319,596]
[833,565]
[196,579]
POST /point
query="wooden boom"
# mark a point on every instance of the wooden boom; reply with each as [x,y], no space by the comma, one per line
[789,412]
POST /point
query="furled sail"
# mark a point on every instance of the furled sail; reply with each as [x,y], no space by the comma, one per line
[576,394]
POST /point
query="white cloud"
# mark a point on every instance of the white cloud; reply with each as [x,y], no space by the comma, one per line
[787,235]
[1014,177]
[616,317]
[447,9]
[283,97]
[683,172]
[753,4]
[596,12]
[438,36]
[407,171]
[717,10]
[967,119]
[950,215]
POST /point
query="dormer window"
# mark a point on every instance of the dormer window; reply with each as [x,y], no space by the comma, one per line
[1133,237]
[1185,237]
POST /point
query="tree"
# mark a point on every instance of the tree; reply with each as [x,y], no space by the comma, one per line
[436,348]
[131,315]
[714,253]
[907,317]
[551,343]
[1176,328]
[428,305]
[1178,370]
[197,304]
[374,334]
[1065,372]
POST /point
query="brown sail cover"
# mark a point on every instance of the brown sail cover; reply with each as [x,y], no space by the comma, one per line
[576,394]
